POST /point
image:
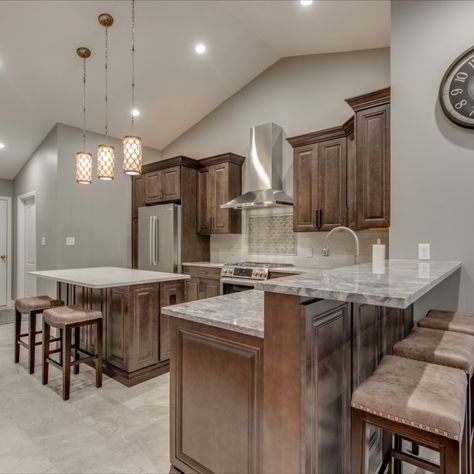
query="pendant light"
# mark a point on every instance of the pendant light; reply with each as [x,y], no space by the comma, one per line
[106,152]
[83,158]
[132,145]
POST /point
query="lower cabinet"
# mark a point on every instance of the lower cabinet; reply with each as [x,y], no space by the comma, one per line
[171,293]
[204,282]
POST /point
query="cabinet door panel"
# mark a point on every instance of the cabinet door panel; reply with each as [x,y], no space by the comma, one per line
[138,194]
[305,163]
[332,184]
[171,182]
[170,293]
[153,187]
[373,167]
[191,289]
[118,328]
[220,195]
[203,206]
[211,288]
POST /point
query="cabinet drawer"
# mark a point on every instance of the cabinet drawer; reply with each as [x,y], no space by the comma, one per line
[202,272]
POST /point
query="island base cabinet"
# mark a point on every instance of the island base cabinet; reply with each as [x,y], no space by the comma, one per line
[216,399]
[135,333]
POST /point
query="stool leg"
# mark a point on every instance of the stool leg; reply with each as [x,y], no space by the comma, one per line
[61,345]
[397,464]
[98,361]
[452,458]
[17,335]
[32,340]
[46,337]
[358,442]
[76,348]
[66,343]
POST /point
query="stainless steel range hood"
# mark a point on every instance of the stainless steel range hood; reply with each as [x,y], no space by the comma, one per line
[263,176]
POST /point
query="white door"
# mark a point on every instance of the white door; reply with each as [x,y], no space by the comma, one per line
[3,251]
[30,247]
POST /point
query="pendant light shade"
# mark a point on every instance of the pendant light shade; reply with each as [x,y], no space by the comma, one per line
[132,155]
[83,167]
[105,162]
[83,158]
[132,145]
[106,152]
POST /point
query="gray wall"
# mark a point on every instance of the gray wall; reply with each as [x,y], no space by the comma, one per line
[40,174]
[6,187]
[432,159]
[97,215]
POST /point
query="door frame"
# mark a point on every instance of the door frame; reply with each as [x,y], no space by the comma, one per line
[20,241]
[8,200]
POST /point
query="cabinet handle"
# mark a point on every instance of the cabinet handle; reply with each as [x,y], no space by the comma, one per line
[315,219]
[320,218]
[212,224]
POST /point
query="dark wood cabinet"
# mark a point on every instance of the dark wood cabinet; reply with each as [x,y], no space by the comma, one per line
[342,174]
[171,180]
[204,282]
[372,137]
[219,181]
[319,181]
[170,293]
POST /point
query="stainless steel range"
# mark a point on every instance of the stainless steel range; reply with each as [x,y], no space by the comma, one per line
[242,276]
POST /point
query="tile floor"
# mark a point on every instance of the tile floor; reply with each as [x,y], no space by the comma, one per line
[114,429]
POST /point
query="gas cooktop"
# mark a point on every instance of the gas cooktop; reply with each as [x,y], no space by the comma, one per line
[259,264]
[250,270]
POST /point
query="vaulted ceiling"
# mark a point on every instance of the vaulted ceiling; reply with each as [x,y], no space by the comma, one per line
[40,74]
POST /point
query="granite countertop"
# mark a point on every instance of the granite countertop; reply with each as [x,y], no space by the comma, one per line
[241,312]
[397,284]
[202,264]
[107,277]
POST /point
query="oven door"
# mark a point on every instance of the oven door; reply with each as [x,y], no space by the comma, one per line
[234,285]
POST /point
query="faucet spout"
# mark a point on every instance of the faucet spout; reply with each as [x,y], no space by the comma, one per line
[326,250]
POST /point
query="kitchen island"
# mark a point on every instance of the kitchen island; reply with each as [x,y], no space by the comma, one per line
[135,333]
[278,401]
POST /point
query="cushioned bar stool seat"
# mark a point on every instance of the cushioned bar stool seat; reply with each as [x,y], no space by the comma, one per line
[449,321]
[70,319]
[32,306]
[452,349]
[421,402]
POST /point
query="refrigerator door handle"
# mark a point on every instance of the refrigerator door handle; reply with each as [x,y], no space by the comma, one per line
[157,241]
[151,240]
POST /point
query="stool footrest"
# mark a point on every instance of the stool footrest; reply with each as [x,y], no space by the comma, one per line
[421,463]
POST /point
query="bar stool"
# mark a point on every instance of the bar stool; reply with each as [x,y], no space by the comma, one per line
[33,306]
[421,402]
[70,319]
[449,321]
[452,349]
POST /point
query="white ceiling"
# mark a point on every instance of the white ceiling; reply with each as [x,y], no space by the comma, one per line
[40,74]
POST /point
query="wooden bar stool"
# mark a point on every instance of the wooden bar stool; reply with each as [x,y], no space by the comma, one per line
[449,348]
[33,306]
[449,321]
[417,401]
[70,319]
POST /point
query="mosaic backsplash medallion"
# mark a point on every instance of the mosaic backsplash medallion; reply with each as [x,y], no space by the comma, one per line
[271,234]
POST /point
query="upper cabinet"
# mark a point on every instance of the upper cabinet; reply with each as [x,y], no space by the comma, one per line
[219,181]
[372,175]
[163,185]
[342,174]
[319,174]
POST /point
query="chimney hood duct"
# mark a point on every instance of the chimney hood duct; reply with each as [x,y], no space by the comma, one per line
[263,176]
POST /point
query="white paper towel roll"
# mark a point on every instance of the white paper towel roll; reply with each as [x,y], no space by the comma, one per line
[378,254]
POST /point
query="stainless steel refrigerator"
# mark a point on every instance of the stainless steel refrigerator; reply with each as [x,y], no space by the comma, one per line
[159,238]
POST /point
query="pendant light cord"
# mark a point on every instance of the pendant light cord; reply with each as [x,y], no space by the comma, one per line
[106,82]
[133,63]
[84,106]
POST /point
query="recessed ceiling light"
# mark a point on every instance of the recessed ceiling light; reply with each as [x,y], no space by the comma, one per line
[200,48]
[2,145]
[306,3]
[135,112]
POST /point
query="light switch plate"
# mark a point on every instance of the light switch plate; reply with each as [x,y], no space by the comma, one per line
[43,241]
[70,241]
[424,251]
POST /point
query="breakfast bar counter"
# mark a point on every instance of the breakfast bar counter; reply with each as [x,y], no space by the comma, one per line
[135,333]
[261,380]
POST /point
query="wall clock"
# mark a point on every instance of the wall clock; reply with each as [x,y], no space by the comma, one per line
[456,91]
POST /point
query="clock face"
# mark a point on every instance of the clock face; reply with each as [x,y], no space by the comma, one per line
[456,92]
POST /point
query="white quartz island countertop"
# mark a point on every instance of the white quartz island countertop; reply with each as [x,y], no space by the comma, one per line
[397,284]
[107,277]
[241,312]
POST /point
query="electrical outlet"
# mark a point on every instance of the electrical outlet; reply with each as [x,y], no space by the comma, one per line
[424,251]
[70,241]
[43,241]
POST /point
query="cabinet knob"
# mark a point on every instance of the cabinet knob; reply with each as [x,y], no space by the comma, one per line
[3,257]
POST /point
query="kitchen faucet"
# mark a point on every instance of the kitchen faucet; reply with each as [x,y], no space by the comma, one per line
[326,252]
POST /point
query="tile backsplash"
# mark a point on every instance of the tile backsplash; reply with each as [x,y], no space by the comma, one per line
[267,236]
